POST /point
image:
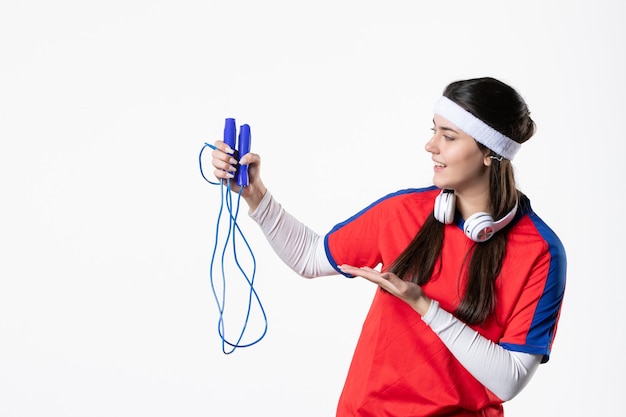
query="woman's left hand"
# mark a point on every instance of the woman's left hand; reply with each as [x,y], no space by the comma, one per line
[407,291]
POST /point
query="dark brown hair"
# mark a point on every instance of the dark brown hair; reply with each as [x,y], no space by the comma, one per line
[502,108]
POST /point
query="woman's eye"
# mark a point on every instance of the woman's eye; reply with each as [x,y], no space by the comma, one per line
[446,137]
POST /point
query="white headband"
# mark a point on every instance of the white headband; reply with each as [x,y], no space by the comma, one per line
[476,128]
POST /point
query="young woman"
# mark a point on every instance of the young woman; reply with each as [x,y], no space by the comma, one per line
[471,280]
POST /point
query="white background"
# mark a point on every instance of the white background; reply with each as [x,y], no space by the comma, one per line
[107,227]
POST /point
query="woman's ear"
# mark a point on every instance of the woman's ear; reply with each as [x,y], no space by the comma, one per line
[487,159]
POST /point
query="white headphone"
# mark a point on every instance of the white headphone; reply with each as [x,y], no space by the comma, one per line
[479,226]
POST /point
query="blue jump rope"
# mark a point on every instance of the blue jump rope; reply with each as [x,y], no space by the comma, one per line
[232,235]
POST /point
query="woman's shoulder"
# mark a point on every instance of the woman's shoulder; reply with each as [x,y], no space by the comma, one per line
[398,204]
[532,224]
[412,194]
[405,202]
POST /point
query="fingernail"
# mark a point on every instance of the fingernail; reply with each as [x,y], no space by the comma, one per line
[229,150]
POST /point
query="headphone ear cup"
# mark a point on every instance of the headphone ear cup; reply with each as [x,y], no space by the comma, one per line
[479,227]
[445,204]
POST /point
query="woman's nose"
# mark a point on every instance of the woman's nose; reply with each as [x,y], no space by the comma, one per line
[431,145]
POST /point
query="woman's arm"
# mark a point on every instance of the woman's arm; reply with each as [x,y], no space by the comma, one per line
[298,246]
[503,372]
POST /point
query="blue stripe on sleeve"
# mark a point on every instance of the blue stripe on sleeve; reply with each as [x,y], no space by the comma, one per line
[544,322]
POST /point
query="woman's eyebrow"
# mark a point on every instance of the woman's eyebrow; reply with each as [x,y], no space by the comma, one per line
[444,127]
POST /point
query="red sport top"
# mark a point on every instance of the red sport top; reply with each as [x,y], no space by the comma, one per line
[400,366]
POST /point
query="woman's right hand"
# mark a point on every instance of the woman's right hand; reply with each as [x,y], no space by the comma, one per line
[225,170]
[407,291]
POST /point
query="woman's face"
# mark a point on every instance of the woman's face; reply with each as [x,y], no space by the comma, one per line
[459,162]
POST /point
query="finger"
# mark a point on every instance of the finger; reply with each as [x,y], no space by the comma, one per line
[222,154]
[250,159]
[223,168]
[363,271]
[364,268]
[220,173]
[368,273]
[352,270]
[224,161]
[222,146]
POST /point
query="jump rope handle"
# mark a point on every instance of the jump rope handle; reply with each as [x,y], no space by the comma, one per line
[230,131]
[243,147]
